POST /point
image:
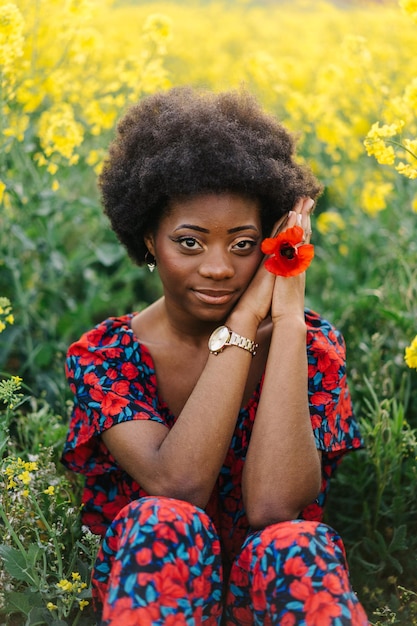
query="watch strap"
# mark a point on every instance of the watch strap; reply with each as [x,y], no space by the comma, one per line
[242,342]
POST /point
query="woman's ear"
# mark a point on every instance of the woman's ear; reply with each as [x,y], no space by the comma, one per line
[149,243]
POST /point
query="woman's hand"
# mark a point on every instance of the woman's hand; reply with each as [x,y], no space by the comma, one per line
[288,293]
[268,293]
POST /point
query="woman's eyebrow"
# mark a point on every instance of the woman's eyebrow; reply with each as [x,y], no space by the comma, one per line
[193,227]
[235,229]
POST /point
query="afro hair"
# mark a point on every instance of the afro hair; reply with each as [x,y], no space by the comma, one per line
[185,142]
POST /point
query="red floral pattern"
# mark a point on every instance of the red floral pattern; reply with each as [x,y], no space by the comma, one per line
[289,573]
[113,380]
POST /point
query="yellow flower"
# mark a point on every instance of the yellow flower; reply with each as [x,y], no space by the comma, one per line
[11,34]
[83,604]
[81,8]
[30,466]
[411,147]
[52,168]
[39,158]
[406,170]
[385,155]
[373,196]
[17,126]
[376,144]
[410,356]
[65,585]
[75,576]
[25,477]
[2,190]
[410,8]
[158,28]
[10,320]
[49,490]
[93,157]
[100,115]
[5,306]
[59,132]
[51,607]
[2,326]
[410,95]
[386,130]
[343,249]
[328,221]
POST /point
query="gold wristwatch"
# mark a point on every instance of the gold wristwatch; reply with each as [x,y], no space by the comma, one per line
[223,337]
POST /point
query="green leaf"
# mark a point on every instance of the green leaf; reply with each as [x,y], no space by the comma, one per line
[22,602]
[18,603]
[17,564]
[395,563]
[40,617]
[33,554]
[109,253]
[399,539]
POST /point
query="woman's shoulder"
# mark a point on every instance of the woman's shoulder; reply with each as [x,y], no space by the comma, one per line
[315,320]
[105,335]
[110,341]
[316,323]
[323,336]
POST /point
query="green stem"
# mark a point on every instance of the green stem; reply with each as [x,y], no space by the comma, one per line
[5,436]
[53,536]
[400,145]
[11,531]
[77,618]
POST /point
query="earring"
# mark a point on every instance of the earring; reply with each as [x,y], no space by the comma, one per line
[150,261]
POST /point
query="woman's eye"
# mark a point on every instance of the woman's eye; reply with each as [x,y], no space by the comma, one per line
[245,244]
[189,242]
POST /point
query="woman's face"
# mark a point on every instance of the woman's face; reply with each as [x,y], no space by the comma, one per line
[207,249]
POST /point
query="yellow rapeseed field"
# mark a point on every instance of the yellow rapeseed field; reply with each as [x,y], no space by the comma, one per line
[332,72]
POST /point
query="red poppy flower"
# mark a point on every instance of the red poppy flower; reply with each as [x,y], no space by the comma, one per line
[289,255]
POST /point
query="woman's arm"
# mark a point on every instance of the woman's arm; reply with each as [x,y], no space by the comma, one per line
[184,462]
[282,472]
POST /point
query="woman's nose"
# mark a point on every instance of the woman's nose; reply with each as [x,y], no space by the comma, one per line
[217,264]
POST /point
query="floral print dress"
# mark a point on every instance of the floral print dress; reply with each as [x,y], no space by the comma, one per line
[164,561]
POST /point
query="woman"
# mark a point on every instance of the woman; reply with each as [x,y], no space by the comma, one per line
[208,452]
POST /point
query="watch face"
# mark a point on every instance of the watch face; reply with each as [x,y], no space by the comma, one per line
[218,338]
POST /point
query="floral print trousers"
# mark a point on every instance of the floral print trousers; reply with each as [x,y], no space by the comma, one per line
[160,564]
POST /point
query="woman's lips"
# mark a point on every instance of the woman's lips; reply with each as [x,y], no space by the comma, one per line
[211,296]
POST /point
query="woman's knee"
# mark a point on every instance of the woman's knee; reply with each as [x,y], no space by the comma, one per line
[161,549]
[151,510]
[153,529]
[160,519]
[298,537]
